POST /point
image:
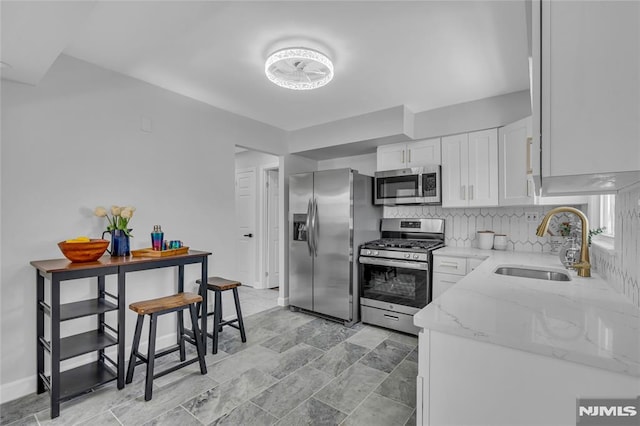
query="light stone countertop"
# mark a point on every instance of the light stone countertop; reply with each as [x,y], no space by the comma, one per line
[583,320]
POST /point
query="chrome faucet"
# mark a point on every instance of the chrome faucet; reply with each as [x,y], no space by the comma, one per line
[583,266]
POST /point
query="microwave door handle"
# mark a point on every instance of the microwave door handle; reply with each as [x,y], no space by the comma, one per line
[308,225]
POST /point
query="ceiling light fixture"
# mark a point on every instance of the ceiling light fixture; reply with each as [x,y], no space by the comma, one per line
[299,68]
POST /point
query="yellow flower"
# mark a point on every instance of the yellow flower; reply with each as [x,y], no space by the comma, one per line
[115,210]
[126,213]
[100,211]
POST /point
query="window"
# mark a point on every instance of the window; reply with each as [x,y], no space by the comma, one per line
[607,214]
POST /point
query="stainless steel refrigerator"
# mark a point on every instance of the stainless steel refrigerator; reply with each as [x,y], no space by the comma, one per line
[331,213]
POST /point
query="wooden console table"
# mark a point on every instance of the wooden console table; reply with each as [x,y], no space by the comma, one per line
[67,384]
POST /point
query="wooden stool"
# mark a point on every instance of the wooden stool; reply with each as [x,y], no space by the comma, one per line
[218,285]
[153,308]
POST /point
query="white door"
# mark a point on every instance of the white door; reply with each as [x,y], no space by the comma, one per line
[246,226]
[483,168]
[514,163]
[273,273]
[455,170]
[425,152]
[391,157]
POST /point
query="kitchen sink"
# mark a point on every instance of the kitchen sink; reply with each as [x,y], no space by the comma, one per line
[531,272]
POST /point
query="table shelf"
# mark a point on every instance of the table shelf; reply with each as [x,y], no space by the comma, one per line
[82,379]
[85,308]
[84,343]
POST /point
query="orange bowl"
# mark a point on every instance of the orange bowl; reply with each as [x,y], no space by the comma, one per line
[84,251]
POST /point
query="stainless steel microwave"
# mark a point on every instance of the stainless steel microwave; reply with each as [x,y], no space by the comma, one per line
[418,185]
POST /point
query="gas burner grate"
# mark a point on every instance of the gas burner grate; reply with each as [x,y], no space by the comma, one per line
[403,243]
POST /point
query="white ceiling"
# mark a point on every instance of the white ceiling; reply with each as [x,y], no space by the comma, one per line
[422,54]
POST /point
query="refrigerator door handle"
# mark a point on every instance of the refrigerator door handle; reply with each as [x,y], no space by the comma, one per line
[314,226]
[308,225]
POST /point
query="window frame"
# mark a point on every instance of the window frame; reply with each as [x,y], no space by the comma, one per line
[597,206]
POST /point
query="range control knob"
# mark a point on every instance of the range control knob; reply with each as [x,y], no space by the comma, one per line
[375,253]
[407,256]
[368,252]
[415,256]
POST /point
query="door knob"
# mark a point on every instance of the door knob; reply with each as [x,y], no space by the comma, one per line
[248,235]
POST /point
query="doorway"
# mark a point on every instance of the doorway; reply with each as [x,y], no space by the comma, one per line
[257,211]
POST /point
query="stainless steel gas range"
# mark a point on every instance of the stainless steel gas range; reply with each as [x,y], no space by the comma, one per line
[395,272]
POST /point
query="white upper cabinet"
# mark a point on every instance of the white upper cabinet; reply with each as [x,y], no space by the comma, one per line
[455,170]
[470,169]
[515,164]
[586,94]
[411,154]
[483,168]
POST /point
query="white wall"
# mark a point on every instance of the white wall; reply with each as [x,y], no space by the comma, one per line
[365,164]
[74,142]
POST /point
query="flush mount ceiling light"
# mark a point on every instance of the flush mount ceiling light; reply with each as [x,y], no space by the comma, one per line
[299,68]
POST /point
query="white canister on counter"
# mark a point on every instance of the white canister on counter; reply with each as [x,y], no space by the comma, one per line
[485,240]
[500,242]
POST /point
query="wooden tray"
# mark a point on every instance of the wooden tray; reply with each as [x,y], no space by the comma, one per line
[150,252]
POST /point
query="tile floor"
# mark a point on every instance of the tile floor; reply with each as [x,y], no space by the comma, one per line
[294,369]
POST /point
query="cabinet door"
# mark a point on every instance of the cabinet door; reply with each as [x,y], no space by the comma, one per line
[514,164]
[473,263]
[455,170]
[391,157]
[483,168]
[590,94]
[443,282]
[422,153]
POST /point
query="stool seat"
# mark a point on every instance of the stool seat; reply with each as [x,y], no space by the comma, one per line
[220,284]
[151,306]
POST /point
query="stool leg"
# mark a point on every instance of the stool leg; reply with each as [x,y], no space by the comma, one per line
[217,318]
[183,353]
[221,314]
[151,357]
[198,338]
[134,349]
[239,314]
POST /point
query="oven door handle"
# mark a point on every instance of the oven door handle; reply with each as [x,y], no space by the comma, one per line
[394,263]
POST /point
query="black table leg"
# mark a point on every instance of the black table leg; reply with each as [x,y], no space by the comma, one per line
[180,322]
[55,346]
[122,309]
[40,331]
[204,293]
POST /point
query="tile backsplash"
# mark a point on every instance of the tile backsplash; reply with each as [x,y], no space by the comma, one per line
[461,224]
[621,267]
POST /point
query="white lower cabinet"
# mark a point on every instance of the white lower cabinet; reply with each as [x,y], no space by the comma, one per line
[448,270]
[462,381]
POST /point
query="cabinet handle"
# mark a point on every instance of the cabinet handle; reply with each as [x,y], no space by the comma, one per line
[409,156]
[471,192]
[403,156]
[463,192]
[449,264]
[529,147]
[391,317]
